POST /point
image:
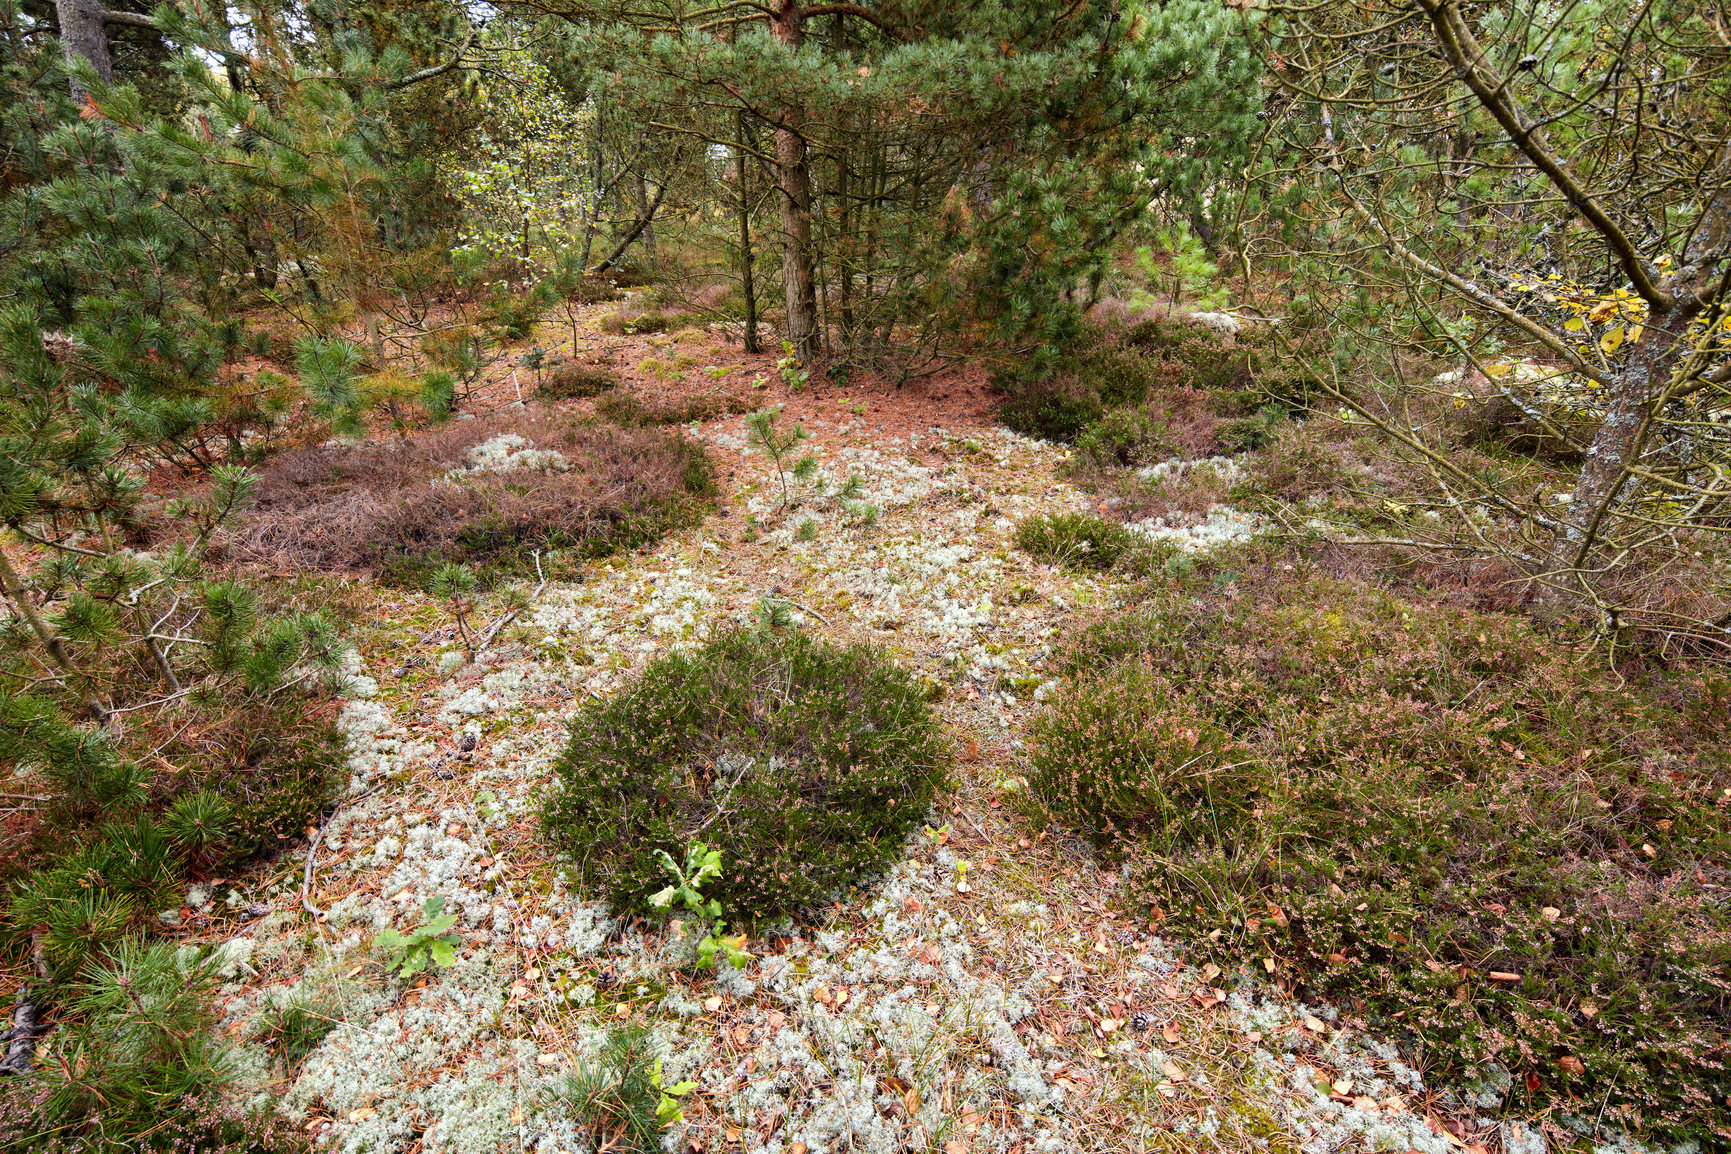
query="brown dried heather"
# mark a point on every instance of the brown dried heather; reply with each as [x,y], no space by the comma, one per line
[369,507]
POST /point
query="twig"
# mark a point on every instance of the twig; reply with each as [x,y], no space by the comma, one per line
[806,608]
[26,1017]
[511,616]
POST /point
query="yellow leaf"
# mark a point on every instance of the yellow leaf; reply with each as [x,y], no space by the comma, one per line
[1574,324]
[1611,341]
[1602,312]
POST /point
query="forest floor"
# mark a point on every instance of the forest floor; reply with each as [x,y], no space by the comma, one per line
[991,993]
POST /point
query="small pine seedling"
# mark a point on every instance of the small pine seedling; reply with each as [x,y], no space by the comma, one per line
[762,433]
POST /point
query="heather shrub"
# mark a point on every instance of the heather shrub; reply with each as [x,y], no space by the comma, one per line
[400,509]
[805,763]
[1512,855]
[1296,462]
[631,410]
[1125,437]
[1123,753]
[1074,539]
[1056,409]
[570,382]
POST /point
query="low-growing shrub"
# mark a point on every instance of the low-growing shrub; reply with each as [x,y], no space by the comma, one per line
[1074,539]
[805,763]
[572,382]
[1295,463]
[403,508]
[1051,410]
[1513,857]
[1124,752]
[1125,437]
[629,409]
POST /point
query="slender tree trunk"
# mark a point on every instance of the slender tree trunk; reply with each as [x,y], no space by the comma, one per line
[594,211]
[642,223]
[794,177]
[643,213]
[740,175]
[84,36]
[51,641]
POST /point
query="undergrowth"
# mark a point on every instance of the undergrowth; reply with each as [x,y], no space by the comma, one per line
[400,510]
[805,763]
[1513,856]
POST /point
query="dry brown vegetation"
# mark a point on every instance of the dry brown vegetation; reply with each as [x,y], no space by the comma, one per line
[382,506]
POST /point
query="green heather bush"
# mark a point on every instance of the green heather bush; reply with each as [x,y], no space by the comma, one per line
[1051,410]
[805,763]
[1074,539]
[1126,437]
[1442,794]
[1124,752]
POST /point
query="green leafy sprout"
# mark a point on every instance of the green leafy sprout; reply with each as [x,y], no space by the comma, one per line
[701,863]
[429,944]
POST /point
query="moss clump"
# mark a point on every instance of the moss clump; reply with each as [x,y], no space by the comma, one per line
[806,763]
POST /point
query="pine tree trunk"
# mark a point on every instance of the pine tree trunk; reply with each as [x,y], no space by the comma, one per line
[84,36]
[741,173]
[794,174]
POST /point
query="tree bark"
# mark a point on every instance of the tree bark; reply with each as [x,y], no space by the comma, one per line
[625,243]
[84,36]
[741,173]
[794,177]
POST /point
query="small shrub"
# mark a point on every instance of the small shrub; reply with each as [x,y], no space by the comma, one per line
[1125,438]
[1125,753]
[374,508]
[1118,373]
[571,382]
[591,290]
[1295,464]
[1051,410]
[425,945]
[1074,539]
[804,763]
[629,410]
[1247,434]
[295,1028]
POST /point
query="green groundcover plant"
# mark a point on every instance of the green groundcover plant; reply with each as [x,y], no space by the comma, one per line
[804,763]
[1513,857]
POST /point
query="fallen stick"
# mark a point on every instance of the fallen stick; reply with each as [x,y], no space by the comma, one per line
[27,1024]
